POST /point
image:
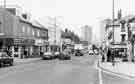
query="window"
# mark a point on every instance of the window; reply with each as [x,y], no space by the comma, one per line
[0,28]
[23,28]
[123,27]
[38,33]
[28,30]
[33,32]
[123,37]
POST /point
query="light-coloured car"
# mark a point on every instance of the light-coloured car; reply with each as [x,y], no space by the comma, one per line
[48,55]
[91,52]
[96,52]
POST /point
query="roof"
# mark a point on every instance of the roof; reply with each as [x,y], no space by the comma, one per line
[37,24]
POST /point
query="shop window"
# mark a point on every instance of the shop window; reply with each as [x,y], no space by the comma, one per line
[123,37]
[16,49]
[28,30]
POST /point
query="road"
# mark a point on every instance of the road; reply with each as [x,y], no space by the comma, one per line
[78,70]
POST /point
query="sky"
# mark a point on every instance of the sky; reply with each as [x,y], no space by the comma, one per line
[75,13]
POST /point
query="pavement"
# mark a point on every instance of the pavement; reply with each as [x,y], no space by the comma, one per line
[25,60]
[123,69]
[78,70]
[121,73]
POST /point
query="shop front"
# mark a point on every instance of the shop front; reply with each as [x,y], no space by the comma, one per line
[120,51]
[22,48]
[40,46]
[6,45]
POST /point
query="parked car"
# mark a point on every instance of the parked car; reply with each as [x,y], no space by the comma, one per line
[56,54]
[48,55]
[5,59]
[64,56]
[91,52]
[78,53]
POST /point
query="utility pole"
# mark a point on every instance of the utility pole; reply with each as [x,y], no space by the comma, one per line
[55,26]
[4,17]
[113,55]
[113,19]
[4,3]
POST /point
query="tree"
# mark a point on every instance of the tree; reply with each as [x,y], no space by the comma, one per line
[70,34]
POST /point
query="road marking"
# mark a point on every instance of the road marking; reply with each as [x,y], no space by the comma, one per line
[100,76]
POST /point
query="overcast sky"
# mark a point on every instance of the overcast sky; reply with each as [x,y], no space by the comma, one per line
[75,12]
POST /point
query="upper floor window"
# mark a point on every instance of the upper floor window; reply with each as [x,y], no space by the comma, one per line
[38,33]
[33,32]
[123,26]
[28,30]
[23,29]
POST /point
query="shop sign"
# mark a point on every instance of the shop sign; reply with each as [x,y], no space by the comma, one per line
[45,42]
[39,42]
[119,46]
[18,41]
[28,42]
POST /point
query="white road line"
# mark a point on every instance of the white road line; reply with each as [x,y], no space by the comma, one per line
[100,76]
[99,72]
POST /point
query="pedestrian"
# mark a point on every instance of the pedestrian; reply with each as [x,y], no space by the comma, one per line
[41,53]
[25,53]
[112,57]
[108,55]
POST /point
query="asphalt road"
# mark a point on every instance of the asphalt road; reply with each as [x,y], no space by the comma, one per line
[78,70]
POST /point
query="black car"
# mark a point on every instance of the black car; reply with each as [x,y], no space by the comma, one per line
[5,59]
[64,56]
[78,53]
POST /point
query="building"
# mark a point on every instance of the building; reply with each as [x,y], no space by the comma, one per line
[103,26]
[15,10]
[19,36]
[87,33]
[117,39]
[54,34]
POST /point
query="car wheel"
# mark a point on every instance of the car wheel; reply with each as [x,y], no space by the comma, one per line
[11,63]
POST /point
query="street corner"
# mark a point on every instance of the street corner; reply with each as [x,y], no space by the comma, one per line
[115,70]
